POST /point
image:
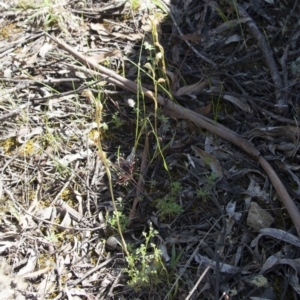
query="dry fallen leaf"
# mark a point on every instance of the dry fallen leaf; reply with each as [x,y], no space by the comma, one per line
[238,102]
[192,89]
[210,160]
[192,37]
[205,110]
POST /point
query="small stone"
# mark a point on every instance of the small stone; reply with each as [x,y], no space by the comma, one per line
[113,243]
[258,218]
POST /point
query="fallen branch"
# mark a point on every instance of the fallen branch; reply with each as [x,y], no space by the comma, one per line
[201,121]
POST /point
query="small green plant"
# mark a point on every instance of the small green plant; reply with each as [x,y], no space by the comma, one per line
[7,208]
[145,265]
[49,13]
[116,120]
[168,207]
[204,192]
[175,257]
[216,106]
[211,179]
[26,4]
[135,4]
[113,220]
[52,237]
[221,14]
[165,122]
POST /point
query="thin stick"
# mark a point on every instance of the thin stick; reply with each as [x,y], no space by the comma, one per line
[281,102]
[197,283]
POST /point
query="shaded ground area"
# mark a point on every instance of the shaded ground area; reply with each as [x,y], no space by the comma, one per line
[149,150]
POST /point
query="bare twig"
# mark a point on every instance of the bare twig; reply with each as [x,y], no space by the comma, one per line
[14,112]
[197,283]
[90,272]
[281,101]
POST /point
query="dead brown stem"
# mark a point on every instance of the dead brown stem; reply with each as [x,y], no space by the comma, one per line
[141,181]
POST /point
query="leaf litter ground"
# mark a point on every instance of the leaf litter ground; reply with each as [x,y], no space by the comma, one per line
[222,231]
